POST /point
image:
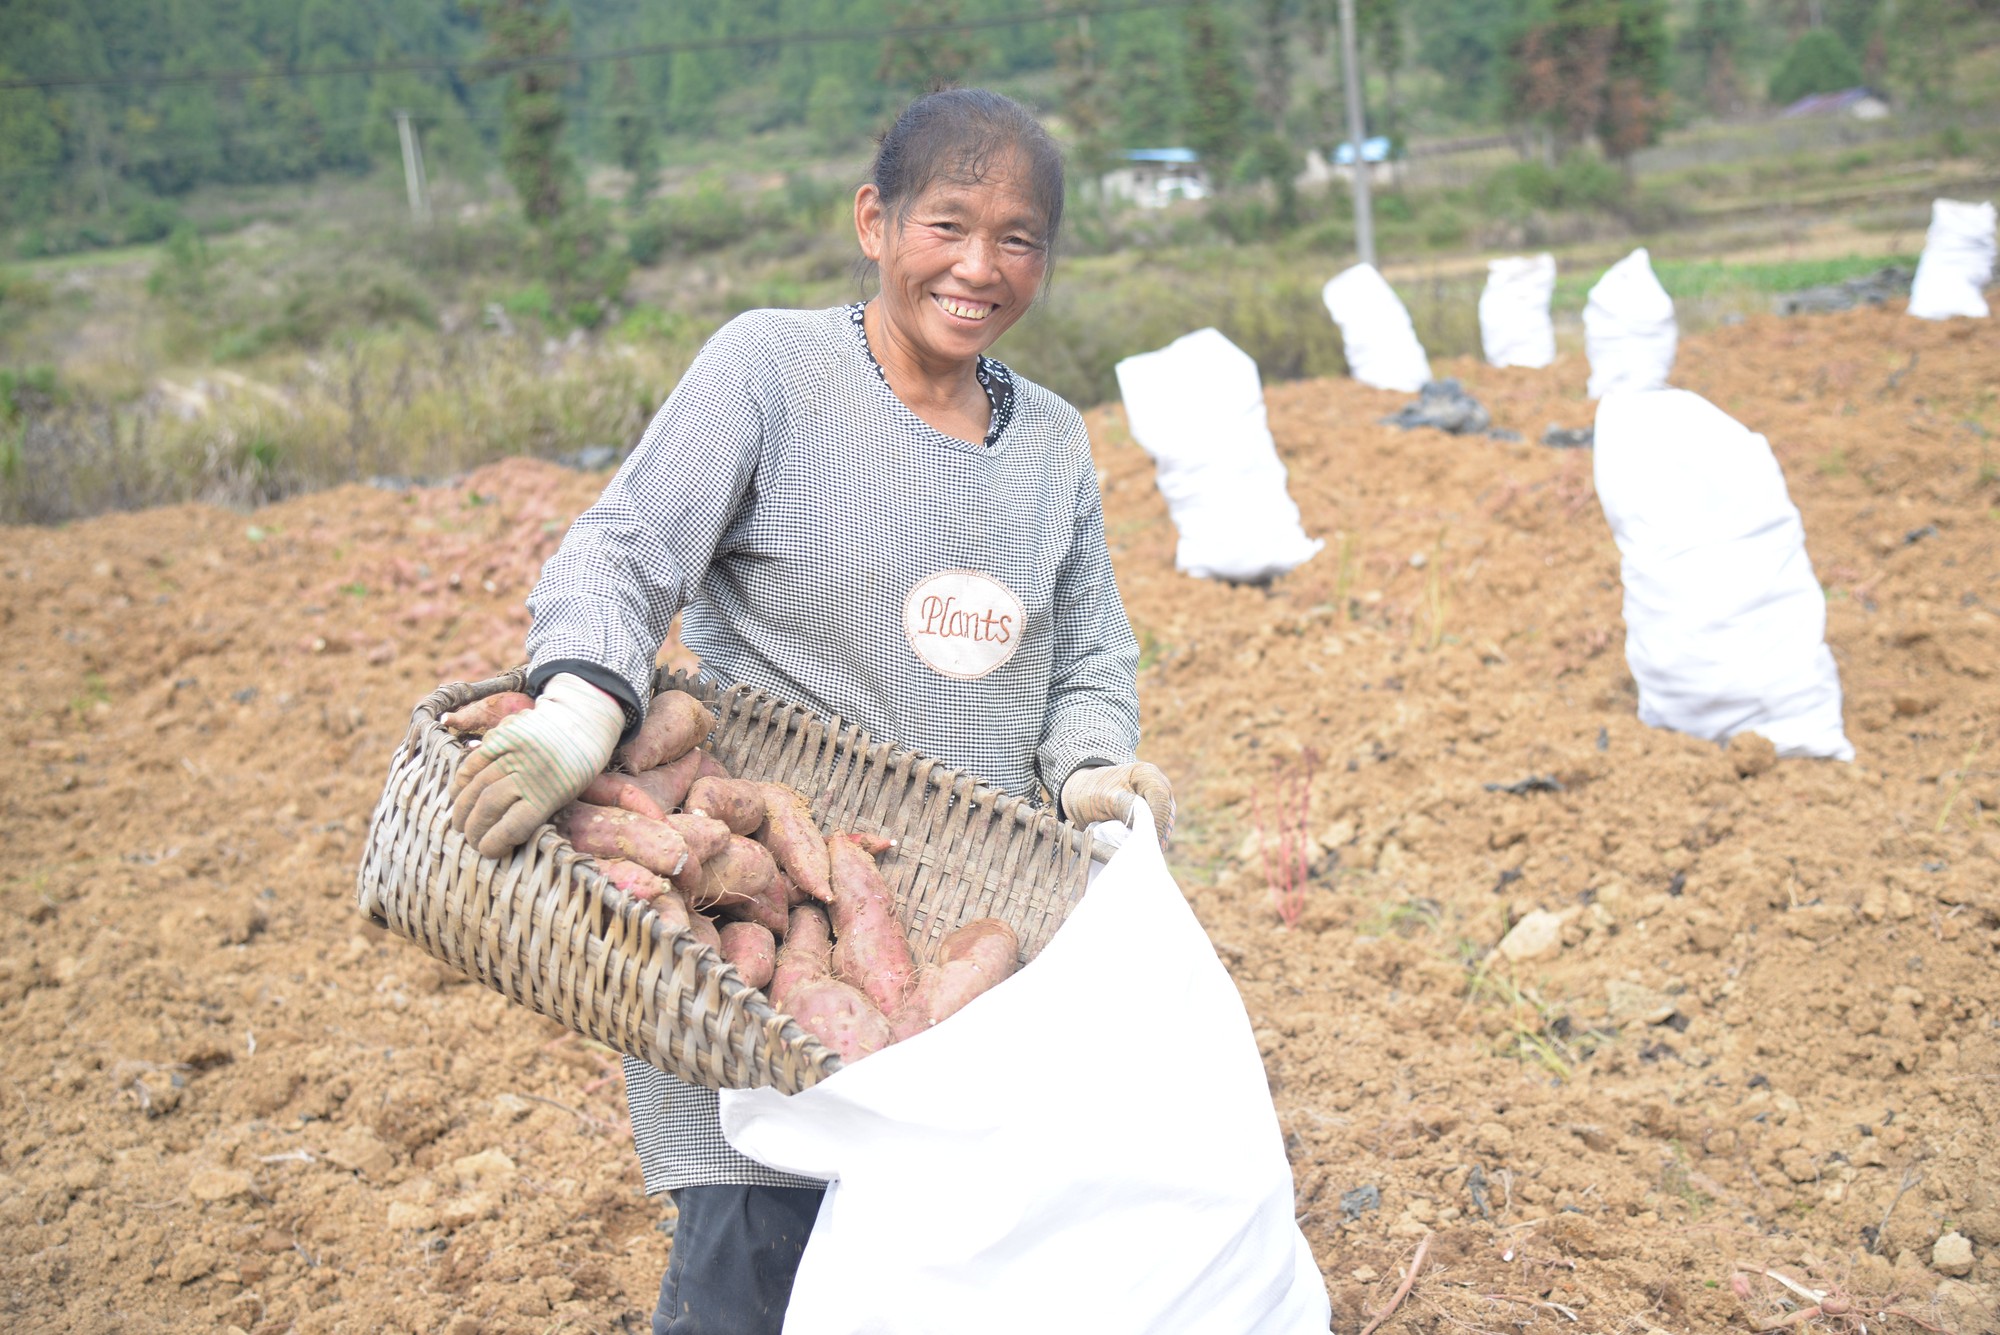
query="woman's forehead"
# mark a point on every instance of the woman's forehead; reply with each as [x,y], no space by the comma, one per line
[1001,192]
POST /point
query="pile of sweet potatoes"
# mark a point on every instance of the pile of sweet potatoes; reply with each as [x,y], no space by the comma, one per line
[741,866]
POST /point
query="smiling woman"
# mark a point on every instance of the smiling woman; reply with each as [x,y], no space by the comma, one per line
[859,510]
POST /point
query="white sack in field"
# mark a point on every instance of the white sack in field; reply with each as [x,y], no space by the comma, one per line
[1628,328]
[1376,335]
[1040,1163]
[1514,324]
[1197,406]
[1957,262]
[1725,623]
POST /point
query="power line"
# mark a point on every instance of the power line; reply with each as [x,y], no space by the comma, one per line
[481,67]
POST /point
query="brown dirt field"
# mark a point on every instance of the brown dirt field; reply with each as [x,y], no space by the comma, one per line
[1771,1021]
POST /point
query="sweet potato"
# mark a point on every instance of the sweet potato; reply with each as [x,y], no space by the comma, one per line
[702,928]
[705,837]
[870,951]
[742,882]
[675,724]
[788,831]
[831,1011]
[611,789]
[481,716]
[610,832]
[635,880]
[970,961]
[668,784]
[651,890]
[752,949]
[735,802]
[710,767]
[806,954]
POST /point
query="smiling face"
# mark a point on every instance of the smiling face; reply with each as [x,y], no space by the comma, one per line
[959,265]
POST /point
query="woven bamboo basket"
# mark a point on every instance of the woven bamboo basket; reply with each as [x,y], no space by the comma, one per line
[545,928]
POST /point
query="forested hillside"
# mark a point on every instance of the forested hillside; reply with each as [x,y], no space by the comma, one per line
[107,106]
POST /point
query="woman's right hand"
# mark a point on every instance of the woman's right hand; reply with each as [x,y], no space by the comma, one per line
[534,764]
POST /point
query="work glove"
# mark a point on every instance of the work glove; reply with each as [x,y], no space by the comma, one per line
[1109,792]
[534,764]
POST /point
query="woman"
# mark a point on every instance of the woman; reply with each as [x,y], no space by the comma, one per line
[858,510]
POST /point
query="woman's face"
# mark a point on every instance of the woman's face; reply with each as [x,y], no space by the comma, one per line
[959,266]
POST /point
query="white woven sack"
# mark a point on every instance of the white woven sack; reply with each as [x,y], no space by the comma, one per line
[1628,328]
[1376,335]
[1040,1162]
[1725,623]
[1197,406]
[1514,324]
[1957,262]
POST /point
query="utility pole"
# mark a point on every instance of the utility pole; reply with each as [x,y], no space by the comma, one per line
[413,169]
[1350,77]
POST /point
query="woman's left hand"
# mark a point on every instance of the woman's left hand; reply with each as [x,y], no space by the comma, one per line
[1109,792]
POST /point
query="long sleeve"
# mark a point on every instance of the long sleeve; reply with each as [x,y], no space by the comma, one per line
[638,556]
[1093,709]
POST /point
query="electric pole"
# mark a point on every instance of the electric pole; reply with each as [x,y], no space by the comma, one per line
[1350,77]
[413,169]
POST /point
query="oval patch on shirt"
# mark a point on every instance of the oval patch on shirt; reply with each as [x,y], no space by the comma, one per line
[963,624]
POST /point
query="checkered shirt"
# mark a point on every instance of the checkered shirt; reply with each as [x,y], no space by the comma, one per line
[785,502]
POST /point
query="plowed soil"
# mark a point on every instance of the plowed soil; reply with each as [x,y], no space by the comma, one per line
[1761,1039]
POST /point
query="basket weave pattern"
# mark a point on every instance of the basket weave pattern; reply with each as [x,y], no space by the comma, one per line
[544,927]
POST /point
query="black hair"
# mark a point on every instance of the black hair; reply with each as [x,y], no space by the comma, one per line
[958,135]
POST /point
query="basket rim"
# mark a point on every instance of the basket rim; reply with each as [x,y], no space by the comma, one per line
[729,702]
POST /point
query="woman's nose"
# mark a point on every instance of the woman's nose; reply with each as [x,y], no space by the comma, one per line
[975,262]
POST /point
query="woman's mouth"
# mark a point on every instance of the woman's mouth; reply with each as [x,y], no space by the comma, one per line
[964,309]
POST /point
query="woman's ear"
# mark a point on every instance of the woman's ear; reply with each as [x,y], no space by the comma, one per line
[869,218]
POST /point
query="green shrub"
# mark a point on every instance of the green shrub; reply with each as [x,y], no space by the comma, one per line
[183,271]
[531,301]
[706,218]
[646,240]
[26,389]
[149,220]
[1819,62]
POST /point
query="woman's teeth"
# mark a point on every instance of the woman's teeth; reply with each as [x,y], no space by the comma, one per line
[965,311]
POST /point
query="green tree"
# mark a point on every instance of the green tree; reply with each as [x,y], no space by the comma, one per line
[1713,45]
[637,144]
[1148,50]
[1465,42]
[1560,63]
[916,62]
[531,147]
[1215,99]
[31,154]
[1635,87]
[1818,62]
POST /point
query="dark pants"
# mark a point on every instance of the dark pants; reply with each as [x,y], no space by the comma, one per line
[736,1252]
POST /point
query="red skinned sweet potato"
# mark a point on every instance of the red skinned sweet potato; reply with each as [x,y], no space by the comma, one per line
[711,768]
[870,951]
[795,842]
[651,890]
[482,716]
[667,785]
[611,789]
[737,803]
[742,882]
[702,928]
[635,880]
[675,724]
[806,954]
[752,949]
[970,961]
[609,832]
[705,837]
[831,1011]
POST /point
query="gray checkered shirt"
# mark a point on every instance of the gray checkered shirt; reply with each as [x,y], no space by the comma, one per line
[786,501]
